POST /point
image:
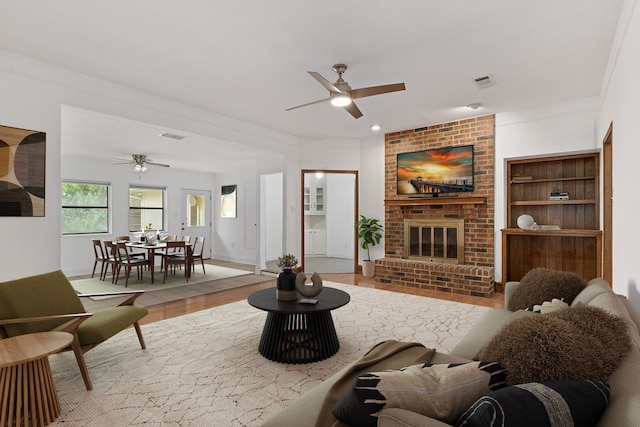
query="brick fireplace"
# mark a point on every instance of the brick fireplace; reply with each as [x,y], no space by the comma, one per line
[472,271]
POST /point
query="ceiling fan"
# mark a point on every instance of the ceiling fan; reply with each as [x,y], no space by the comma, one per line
[341,94]
[140,162]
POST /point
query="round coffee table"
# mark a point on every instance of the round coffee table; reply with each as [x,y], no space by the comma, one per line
[295,332]
[28,393]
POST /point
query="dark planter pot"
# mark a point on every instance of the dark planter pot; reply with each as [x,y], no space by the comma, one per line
[286,286]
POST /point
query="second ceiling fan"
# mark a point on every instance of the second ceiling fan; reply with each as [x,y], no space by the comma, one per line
[341,94]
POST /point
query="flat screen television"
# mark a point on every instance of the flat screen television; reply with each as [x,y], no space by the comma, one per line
[435,171]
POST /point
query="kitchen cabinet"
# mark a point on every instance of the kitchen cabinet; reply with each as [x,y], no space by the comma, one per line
[315,242]
[314,195]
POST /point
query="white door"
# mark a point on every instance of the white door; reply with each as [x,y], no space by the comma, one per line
[250,218]
[195,217]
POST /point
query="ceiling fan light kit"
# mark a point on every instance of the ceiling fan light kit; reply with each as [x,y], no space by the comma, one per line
[341,94]
[140,163]
[140,168]
[340,101]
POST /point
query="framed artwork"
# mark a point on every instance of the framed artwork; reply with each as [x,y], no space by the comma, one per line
[22,172]
[228,201]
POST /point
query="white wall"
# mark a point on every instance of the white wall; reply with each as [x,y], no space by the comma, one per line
[372,187]
[339,215]
[622,108]
[273,217]
[549,130]
[230,235]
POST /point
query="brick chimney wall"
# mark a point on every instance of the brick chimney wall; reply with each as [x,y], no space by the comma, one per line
[476,276]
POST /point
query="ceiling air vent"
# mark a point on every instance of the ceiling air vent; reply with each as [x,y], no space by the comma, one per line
[173,136]
[484,82]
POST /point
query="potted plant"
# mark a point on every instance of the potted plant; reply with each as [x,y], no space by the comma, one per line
[369,233]
[286,281]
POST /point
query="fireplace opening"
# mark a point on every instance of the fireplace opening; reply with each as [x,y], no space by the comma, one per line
[440,240]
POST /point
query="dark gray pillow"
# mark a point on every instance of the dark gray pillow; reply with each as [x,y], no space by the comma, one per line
[542,284]
[566,403]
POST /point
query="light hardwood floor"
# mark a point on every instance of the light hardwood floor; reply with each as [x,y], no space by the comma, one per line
[201,302]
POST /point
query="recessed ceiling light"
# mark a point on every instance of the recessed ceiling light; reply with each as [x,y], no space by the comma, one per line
[474,105]
[375,128]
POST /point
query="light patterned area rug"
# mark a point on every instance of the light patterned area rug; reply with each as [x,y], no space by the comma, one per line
[204,369]
[212,272]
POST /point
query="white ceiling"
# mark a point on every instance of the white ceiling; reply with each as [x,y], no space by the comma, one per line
[248,60]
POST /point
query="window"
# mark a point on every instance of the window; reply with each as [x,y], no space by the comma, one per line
[85,208]
[195,210]
[146,209]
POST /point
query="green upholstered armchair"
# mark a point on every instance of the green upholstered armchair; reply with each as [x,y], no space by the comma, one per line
[48,302]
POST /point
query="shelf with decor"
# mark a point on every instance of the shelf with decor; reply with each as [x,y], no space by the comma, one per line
[576,243]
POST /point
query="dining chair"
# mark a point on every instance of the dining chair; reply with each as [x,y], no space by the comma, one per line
[132,253]
[128,262]
[177,254]
[186,239]
[197,250]
[111,255]
[161,252]
[99,258]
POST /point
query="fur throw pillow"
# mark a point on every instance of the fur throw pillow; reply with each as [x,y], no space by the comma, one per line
[610,331]
[579,343]
[543,284]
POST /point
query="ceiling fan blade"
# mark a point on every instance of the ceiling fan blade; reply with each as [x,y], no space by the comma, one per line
[309,103]
[123,163]
[353,110]
[324,82]
[158,164]
[376,90]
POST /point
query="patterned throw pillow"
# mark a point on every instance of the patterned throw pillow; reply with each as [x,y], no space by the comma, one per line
[440,391]
[559,403]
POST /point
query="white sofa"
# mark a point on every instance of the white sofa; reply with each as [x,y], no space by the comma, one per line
[623,409]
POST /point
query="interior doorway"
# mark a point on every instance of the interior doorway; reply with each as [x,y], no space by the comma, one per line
[329,212]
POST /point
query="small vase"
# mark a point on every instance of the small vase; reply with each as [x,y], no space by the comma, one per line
[286,286]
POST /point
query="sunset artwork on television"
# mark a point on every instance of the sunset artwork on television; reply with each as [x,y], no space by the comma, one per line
[435,171]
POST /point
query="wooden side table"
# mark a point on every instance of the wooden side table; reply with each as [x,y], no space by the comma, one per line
[28,396]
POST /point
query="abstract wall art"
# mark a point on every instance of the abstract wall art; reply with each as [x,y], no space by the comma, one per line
[22,172]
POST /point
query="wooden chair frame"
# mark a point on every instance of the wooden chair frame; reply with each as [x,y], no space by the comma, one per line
[98,250]
[177,254]
[197,254]
[72,328]
[128,262]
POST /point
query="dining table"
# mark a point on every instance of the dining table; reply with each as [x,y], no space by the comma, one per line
[151,252]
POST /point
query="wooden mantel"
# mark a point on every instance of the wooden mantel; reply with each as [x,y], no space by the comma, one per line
[421,201]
